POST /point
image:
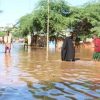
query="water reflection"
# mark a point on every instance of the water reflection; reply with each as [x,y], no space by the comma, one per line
[27,75]
[7,59]
[64,90]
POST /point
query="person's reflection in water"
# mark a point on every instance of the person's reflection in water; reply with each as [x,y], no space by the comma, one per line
[7,60]
[29,49]
[7,66]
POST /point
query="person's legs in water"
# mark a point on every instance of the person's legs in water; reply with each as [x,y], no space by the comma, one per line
[6,48]
[9,49]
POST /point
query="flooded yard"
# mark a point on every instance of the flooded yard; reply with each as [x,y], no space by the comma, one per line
[32,74]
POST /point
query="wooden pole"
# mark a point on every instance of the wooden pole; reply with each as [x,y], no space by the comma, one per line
[47,29]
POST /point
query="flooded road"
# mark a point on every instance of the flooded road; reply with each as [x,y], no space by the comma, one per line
[32,74]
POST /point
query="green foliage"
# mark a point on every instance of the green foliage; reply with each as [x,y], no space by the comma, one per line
[83,20]
[92,12]
[83,26]
[25,24]
[37,20]
[2,33]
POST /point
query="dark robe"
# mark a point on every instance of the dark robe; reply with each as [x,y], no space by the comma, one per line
[68,50]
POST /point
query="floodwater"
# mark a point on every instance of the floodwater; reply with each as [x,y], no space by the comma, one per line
[32,74]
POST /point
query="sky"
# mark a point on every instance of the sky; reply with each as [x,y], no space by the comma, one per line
[13,10]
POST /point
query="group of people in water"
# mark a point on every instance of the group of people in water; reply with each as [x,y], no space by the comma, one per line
[67,49]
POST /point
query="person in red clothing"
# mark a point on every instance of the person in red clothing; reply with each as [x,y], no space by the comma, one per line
[96,54]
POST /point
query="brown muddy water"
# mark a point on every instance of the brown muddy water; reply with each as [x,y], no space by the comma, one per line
[32,74]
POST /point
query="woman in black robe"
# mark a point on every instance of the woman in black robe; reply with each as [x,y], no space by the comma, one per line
[68,49]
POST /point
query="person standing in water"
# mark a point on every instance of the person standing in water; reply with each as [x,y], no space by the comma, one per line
[96,46]
[68,48]
[8,41]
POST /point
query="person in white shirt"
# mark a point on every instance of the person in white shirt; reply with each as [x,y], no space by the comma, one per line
[8,41]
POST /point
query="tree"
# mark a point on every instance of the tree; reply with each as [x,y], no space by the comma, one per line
[37,20]
[83,26]
[83,20]
[25,24]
